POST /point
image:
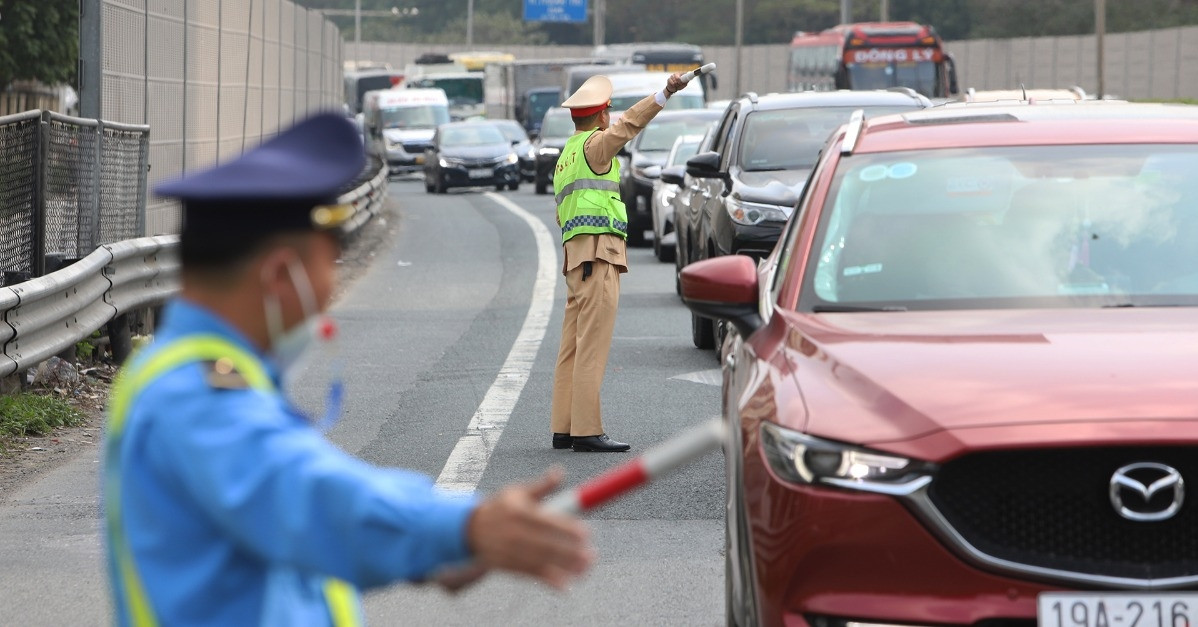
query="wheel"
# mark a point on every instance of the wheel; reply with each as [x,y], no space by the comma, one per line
[636,231]
[701,333]
[678,257]
[441,187]
[499,187]
[514,186]
[719,331]
[541,187]
[665,254]
[736,561]
[428,187]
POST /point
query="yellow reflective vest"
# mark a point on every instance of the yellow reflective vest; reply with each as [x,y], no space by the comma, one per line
[587,202]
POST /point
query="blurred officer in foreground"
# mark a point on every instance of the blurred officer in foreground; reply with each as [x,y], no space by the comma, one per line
[594,222]
[224,505]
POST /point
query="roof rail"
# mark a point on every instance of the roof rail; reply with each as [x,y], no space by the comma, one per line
[751,95]
[856,121]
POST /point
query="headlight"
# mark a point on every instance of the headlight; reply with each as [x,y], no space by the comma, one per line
[548,151]
[806,460]
[750,213]
[450,163]
[511,158]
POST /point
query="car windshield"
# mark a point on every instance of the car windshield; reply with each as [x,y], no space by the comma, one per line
[539,103]
[557,126]
[660,134]
[920,76]
[683,151]
[512,131]
[790,139]
[471,135]
[676,102]
[1051,226]
[459,91]
[424,116]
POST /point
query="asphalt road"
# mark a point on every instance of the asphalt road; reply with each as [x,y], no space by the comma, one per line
[424,334]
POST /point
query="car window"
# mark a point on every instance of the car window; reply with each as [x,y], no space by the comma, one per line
[557,126]
[661,135]
[721,144]
[790,139]
[471,135]
[422,116]
[512,131]
[682,151]
[1112,225]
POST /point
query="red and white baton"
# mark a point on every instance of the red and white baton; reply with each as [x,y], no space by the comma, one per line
[655,462]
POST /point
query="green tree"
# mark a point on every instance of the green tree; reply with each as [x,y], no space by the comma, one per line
[38,40]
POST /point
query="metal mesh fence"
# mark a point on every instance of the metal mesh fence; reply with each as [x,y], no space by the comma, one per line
[71,188]
[19,138]
[123,159]
[212,78]
[67,185]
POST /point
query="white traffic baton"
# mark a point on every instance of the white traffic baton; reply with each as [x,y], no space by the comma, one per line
[655,462]
[706,69]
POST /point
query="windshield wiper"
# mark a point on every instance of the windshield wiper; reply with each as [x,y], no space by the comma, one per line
[854,308]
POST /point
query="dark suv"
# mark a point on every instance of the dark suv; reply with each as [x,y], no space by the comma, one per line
[556,128]
[759,159]
[649,149]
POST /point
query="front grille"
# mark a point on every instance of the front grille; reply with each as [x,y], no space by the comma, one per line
[1052,509]
[416,147]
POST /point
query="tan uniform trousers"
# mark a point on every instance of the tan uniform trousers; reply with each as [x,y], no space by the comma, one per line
[586,339]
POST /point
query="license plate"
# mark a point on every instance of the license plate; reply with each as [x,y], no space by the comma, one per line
[481,174]
[420,160]
[1117,609]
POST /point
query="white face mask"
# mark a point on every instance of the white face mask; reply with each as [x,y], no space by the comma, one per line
[288,345]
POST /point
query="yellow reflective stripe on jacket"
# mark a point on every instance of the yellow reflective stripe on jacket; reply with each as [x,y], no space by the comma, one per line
[181,352]
[343,603]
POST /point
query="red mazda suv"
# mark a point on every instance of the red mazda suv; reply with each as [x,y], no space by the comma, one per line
[963,388]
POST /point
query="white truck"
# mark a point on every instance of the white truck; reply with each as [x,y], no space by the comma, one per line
[525,90]
[463,89]
[399,125]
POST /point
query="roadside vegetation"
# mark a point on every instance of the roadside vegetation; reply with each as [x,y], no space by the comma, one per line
[30,414]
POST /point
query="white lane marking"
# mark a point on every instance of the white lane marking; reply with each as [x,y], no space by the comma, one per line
[466,464]
[706,377]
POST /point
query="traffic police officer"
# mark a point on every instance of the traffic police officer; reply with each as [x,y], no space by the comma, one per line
[223,504]
[594,227]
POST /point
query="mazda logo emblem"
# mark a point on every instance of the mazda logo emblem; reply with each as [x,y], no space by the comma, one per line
[1147,491]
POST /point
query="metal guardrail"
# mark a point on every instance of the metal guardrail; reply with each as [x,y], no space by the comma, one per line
[44,316]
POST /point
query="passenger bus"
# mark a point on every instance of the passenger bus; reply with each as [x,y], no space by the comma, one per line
[658,57]
[872,55]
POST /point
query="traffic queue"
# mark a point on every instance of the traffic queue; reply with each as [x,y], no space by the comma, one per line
[956,334]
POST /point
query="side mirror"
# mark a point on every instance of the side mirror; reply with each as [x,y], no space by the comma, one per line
[652,172]
[725,288]
[705,165]
[674,175]
[624,151]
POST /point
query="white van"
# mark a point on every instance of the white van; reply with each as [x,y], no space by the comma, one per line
[627,89]
[399,125]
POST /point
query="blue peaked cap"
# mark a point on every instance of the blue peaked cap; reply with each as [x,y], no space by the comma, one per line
[304,166]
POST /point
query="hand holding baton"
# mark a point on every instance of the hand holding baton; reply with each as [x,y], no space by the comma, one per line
[706,69]
[654,463]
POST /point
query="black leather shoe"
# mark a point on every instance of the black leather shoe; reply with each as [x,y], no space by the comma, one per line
[599,444]
[562,440]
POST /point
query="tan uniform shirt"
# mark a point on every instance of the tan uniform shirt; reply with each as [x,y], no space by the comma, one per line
[599,150]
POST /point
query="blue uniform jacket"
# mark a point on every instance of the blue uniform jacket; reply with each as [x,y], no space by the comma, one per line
[236,509]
